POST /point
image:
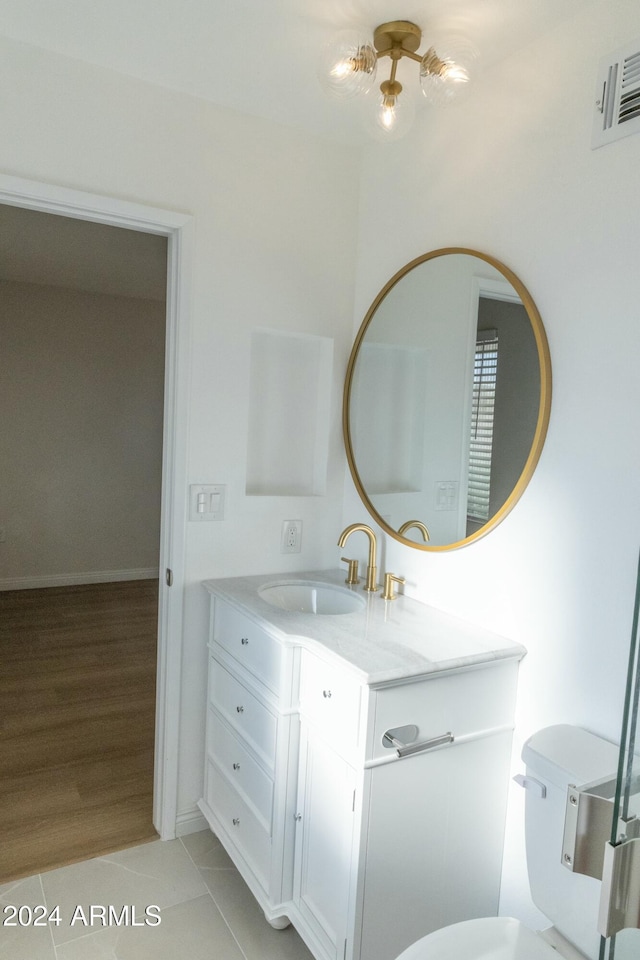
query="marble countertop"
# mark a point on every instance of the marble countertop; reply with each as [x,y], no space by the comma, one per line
[385,641]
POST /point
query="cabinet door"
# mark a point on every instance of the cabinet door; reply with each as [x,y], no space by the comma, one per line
[324,838]
[435,833]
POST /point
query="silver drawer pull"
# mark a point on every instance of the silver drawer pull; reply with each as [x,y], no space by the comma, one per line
[408,749]
[244,641]
[326,694]
[239,709]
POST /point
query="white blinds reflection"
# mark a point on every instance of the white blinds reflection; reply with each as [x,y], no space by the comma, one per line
[482,415]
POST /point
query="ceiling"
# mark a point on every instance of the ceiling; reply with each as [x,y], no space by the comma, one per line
[259,56]
[254,56]
[45,248]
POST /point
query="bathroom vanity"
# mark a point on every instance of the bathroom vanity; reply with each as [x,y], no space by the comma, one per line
[357,763]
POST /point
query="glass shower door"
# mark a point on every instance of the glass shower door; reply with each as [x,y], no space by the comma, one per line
[620,906]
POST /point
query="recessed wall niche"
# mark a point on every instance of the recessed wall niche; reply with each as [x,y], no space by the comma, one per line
[289,413]
[389,437]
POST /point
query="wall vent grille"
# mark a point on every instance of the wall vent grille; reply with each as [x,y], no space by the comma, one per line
[617,110]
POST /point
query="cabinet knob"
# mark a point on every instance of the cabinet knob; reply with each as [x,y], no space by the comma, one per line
[326,694]
[297,817]
[236,766]
[236,821]
[239,709]
[244,641]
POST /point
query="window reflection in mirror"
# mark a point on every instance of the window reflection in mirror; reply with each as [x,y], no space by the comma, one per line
[483,411]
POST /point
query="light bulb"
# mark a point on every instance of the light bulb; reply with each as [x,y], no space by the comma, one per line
[391,116]
[455,73]
[387,115]
[347,66]
[341,69]
[445,70]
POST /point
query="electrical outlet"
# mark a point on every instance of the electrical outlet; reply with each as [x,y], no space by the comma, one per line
[291,536]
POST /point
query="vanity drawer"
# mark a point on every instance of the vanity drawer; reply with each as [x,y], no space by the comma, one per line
[464,703]
[243,712]
[240,768]
[241,824]
[331,699]
[249,644]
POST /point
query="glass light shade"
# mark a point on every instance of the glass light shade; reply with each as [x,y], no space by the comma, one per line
[446,69]
[347,65]
[389,117]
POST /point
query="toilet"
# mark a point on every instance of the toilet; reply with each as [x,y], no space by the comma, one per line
[553,757]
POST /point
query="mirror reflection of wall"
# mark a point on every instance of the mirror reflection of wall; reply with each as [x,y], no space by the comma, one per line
[427,319]
[410,397]
[390,445]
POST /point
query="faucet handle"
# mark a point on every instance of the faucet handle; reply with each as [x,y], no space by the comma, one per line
[389,580]
[352,574]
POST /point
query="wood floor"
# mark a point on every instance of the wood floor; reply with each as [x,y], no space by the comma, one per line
[77,711]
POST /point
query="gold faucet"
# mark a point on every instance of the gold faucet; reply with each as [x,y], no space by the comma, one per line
[419,525]
[370,584]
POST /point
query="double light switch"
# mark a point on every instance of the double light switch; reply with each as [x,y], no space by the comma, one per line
[206,501]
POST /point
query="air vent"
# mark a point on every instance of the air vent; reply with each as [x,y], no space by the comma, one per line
[618,96]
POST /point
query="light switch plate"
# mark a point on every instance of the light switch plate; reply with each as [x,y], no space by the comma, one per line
[207,501]
[447,495]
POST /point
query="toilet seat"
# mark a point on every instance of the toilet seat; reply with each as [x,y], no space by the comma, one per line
[489,938]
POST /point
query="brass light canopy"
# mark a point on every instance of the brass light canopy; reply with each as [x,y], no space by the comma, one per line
[350,64]
[397,38]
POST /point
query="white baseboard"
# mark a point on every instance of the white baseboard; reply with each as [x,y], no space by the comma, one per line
[74,579]
[190,822]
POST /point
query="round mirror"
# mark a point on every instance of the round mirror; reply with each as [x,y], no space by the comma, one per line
[446,399]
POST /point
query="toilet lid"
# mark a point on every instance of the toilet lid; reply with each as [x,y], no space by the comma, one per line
[491,938]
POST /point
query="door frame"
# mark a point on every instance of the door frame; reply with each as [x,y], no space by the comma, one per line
[178,229]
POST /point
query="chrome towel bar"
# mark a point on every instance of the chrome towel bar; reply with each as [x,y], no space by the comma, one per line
[390,739]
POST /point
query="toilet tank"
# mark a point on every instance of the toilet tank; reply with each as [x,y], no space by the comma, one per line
[555,757]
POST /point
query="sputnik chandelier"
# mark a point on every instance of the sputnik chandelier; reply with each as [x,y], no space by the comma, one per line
[349,65]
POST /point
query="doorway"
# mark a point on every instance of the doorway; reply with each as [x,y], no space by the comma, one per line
[176,228]
[82,325]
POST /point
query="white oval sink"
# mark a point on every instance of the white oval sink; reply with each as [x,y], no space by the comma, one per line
[309,596]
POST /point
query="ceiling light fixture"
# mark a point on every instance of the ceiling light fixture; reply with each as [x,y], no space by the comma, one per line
[349,65]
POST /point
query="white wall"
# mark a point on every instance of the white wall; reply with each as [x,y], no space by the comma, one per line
[81,443]
[511,173]
[275,214]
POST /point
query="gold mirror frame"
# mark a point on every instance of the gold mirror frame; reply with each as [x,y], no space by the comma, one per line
[544,407]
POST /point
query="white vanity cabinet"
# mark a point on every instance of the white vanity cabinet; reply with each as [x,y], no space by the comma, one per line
[389,848]
[363,845]
[251,752]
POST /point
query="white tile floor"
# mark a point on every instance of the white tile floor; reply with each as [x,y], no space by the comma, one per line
[206,910]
